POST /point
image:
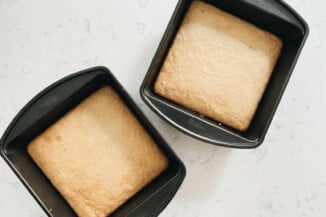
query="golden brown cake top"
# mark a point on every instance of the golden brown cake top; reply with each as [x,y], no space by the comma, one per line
[98,155]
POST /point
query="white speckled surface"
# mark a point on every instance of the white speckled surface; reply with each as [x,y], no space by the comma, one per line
[43,40]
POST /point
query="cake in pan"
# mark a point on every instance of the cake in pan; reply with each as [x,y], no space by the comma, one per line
[98,155]
[218,65]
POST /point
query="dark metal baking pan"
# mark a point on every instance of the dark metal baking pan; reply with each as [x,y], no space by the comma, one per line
[274,16]
[51,104]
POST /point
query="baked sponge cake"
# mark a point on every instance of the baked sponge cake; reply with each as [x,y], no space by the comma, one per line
[98,155]
[218,65]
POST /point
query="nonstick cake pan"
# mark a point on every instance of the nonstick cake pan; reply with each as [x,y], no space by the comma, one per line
[274,16]
[51,104]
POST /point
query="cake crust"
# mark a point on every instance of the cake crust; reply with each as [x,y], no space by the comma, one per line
[98,155]
[218,65]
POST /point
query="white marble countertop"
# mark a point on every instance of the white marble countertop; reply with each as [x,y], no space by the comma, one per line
[42,41]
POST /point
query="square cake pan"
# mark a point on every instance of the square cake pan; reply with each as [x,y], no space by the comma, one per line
[272,15]
[51,104]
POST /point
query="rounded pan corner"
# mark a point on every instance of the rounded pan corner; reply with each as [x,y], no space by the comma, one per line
[142,91]
[297,16]
[2,151]
[100,69]
[256,144]
[305,27]
[183,169]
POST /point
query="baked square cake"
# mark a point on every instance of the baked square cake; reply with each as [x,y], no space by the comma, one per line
[98,155]
[218,65]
